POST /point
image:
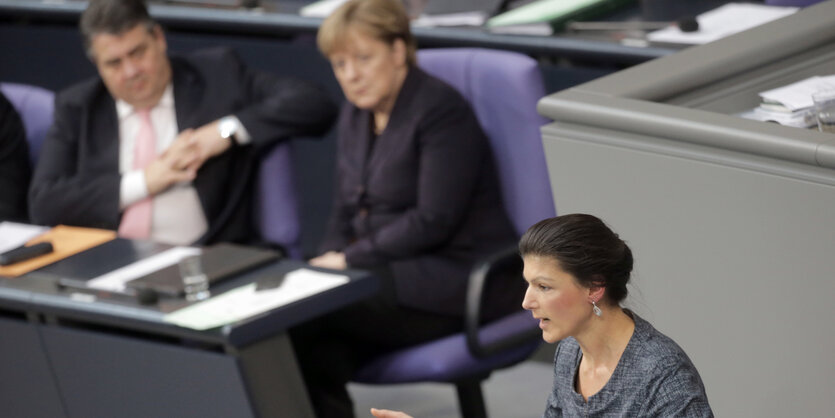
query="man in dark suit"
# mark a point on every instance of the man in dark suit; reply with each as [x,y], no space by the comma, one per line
[164,147]
[14,164]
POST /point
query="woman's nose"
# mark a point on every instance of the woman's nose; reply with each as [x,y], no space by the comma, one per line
[528,301]
[350,71]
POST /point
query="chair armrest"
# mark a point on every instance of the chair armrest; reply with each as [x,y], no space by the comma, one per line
[488,269]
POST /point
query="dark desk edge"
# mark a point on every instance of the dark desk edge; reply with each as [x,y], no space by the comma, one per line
[130,317]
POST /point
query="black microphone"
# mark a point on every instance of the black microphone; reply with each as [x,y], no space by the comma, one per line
[24,253]
[147,296]
[688,24]
[685,24]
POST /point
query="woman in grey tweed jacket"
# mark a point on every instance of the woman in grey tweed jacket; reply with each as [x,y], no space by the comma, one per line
[609,361]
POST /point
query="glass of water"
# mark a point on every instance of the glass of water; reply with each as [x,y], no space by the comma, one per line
[195,281]
[825,110]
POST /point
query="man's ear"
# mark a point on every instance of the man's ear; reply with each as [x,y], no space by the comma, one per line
[159,36]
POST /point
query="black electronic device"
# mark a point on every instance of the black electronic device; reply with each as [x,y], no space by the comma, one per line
[24,253]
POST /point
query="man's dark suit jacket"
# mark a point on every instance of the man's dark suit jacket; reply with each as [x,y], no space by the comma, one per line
[14,164]
[77,177]
[422,197]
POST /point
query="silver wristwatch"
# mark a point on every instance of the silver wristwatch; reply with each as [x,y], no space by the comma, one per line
[227,127]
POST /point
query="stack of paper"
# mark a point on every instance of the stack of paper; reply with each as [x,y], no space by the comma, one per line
[791,105]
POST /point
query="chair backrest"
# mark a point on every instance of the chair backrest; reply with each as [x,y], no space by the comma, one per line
[276,206]
[503,89]
[794,3]
[35,105]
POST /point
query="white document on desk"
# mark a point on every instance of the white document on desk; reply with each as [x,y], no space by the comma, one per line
[721,22]
[116,279]
[322,8]
[797,96]
[245,301]
[13,234]
[475,18]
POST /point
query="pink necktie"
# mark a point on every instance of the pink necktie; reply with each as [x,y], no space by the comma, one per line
[136,221]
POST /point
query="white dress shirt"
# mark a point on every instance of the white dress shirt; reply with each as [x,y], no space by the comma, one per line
[177,215]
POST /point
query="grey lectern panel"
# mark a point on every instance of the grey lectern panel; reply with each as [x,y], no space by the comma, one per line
[111,376]
[26,385]
[735,265]
[732,221]
[689,125]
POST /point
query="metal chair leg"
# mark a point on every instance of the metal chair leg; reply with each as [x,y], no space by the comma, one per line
[471,399]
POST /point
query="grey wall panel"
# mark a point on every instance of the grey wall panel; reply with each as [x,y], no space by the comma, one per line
[26,386]
[734,263]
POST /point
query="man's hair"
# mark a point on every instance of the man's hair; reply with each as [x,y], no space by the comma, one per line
[112,17]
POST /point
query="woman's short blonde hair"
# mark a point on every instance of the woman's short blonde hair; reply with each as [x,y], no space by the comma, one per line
[384,20]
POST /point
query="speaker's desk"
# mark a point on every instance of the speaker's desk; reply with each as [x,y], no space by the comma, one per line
[63,356]
[730,219]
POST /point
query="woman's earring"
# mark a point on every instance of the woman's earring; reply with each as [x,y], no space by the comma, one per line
[596,310]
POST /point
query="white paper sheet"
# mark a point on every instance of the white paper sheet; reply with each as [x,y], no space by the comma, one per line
[721,22]
[115,280]
[245,301]
[798,95]
[322,8]
[13,234]
[476,18]
[802,119]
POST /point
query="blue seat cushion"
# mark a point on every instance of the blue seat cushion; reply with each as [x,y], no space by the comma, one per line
[448,359]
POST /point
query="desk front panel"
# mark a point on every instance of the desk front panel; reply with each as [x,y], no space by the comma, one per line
[733,258]
[105,375]
[26,385]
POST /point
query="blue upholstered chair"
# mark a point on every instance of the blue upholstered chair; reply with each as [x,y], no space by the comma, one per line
[35,105]
[276,205]
[503,88]
[791,3]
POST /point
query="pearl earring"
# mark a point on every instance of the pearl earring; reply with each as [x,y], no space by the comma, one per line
[596,310]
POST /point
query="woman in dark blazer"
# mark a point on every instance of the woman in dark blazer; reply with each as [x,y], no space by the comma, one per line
[416,200]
